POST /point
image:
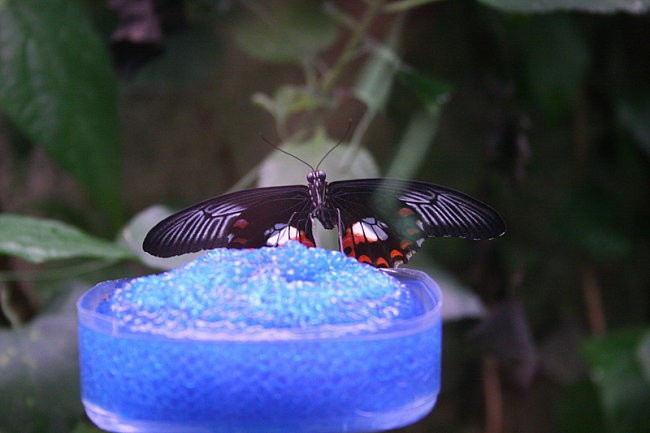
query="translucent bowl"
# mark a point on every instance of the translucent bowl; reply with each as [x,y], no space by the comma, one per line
[325,379]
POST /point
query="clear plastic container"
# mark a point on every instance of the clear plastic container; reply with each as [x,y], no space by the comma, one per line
[326,379]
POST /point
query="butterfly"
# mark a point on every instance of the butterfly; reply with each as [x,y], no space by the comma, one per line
[381,222]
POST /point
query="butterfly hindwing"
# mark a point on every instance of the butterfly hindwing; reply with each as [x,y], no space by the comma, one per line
[244,219]
[386,220]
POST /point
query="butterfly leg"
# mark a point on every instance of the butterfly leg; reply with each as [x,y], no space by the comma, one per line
[340,227]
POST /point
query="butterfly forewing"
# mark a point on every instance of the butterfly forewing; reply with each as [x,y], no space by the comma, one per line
[244,219]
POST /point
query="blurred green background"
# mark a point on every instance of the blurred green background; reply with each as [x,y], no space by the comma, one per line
[540,108]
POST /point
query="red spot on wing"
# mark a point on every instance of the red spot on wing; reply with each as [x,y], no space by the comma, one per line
[304,239]
[405,211]
[348,243]
[241,223]
[240,241]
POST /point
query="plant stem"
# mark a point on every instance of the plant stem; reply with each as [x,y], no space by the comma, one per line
[374,7]
[493,395]
[593,299]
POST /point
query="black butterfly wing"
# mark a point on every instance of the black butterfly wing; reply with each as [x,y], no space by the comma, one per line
[250,218]
[385,221]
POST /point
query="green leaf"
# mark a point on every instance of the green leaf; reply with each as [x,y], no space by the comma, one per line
[375,81]
[618,371]
[286,32]
[57,86]
[288,100]
[415,143]
[599,6]
[39,372]
[39,240]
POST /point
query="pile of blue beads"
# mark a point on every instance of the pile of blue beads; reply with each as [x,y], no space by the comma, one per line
[287,287]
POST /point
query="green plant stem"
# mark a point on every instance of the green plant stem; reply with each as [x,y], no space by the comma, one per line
[374,7]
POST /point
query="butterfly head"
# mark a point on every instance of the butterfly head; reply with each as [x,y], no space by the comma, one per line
[316,177]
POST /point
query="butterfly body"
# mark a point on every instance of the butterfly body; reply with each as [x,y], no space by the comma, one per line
[380,221]
[319,195]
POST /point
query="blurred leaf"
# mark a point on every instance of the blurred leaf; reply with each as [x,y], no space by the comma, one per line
[556,57]
[39,240]
[601,6]
[634,114]
[39,372]
[132,236]
[375,81]
[505,332]
[57,86]
[617,370]
[579,409]
[433,93]
[292,31]
[286,101]
[459,301]
[415,143]
[588,223]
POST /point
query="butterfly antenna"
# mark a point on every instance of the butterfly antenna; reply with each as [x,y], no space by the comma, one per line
[347,133]
[278,148]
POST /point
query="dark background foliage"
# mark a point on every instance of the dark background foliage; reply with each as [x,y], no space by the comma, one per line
[541,109]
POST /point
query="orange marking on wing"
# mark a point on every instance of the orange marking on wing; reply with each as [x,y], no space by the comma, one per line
[365,259]
[240,241]
[405,244]
[406,212]
[381,262]
[396,253]
[413,231]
